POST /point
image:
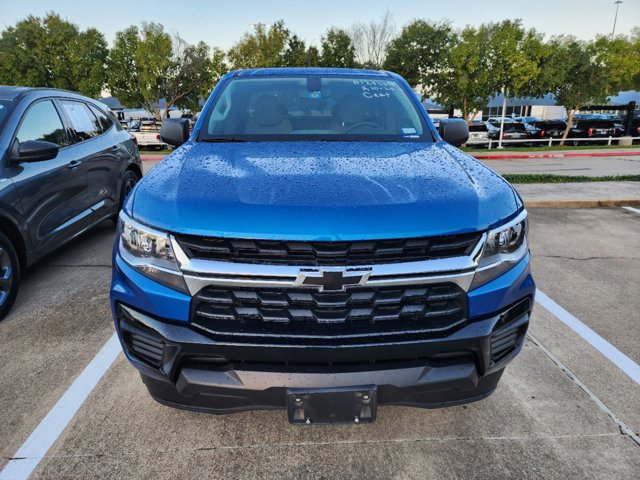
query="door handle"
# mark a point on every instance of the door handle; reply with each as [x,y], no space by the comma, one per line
[74,164]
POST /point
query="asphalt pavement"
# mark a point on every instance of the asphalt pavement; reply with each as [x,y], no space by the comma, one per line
[561,410]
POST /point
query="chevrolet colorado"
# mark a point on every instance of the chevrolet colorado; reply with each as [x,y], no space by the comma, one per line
[316,245]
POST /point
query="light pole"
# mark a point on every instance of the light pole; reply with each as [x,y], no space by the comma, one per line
[504,110]
[615,20]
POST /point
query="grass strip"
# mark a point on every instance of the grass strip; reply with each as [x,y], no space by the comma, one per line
[551,178]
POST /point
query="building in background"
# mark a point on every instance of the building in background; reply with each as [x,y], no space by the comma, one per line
[544,108]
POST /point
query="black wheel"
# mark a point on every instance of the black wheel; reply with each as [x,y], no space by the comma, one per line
[9,275]
[128,182]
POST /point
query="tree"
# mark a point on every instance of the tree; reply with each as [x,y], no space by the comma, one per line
[371,40]
[147,66]
[515,59]
[154,65]
[122,77]
[218,67]
[620,59]
[265,47]
[215,68]
[337,49]
[298,55]
[581,81]
[420,51]
[464,81]
[89,62]
[593,71]
[313,56]
[481,62]
[295,54]
[190,77]
[51,52]
[635,42]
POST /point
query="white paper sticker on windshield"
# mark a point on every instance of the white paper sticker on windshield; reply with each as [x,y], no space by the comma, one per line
[79,116]
[408,131]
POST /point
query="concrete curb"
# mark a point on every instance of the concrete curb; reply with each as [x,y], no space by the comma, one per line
[588,203]
[521,156]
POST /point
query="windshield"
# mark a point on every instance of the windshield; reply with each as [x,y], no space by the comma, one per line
[5,109]
[312,108]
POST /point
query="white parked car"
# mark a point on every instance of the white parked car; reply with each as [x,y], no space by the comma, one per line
[147,134]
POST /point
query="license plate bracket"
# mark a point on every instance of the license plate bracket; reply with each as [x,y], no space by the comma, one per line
[330,406]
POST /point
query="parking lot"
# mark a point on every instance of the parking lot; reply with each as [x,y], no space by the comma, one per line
[563,408]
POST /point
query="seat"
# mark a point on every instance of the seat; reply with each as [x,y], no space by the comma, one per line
[270,117]
[349,111]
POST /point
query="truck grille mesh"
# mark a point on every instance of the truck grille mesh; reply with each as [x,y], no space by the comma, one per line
[357,315]
[277,252]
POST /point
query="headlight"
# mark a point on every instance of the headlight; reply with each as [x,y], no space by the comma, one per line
[505,246]
[149,251]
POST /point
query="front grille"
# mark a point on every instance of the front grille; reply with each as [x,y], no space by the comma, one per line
[358,315]
[362,252]
[218,363]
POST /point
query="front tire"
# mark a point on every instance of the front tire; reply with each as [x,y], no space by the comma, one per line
[9,275]
[128,182]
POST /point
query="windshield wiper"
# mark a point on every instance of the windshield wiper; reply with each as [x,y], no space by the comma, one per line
[224,140]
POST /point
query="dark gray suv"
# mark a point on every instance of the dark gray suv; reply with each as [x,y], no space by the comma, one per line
[66,164]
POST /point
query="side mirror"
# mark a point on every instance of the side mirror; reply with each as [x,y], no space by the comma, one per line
[454,131]
[35,151]
[175,131]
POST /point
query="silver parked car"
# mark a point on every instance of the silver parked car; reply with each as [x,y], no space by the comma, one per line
[478,135]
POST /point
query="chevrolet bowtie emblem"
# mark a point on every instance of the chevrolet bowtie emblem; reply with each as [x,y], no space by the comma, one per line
[333,280]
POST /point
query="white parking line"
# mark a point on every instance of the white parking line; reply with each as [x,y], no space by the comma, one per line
[619,359]
[53,424]
[631,209]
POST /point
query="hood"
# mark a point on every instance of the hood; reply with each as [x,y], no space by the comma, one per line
[322,191]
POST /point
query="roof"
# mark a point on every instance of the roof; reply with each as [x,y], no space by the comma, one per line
[111,102]
[258,72]
[547,101]
[623,98]
[16,93]
[430,104]
[10,93]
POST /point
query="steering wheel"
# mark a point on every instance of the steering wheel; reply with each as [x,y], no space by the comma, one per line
[362,124]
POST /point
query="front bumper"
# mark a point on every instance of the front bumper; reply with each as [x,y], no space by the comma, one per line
[198,373]
[184,368]
[421,386]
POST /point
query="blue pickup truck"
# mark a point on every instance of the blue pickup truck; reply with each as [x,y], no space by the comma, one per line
[316,245]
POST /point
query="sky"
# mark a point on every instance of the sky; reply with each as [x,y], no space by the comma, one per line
[222,23]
